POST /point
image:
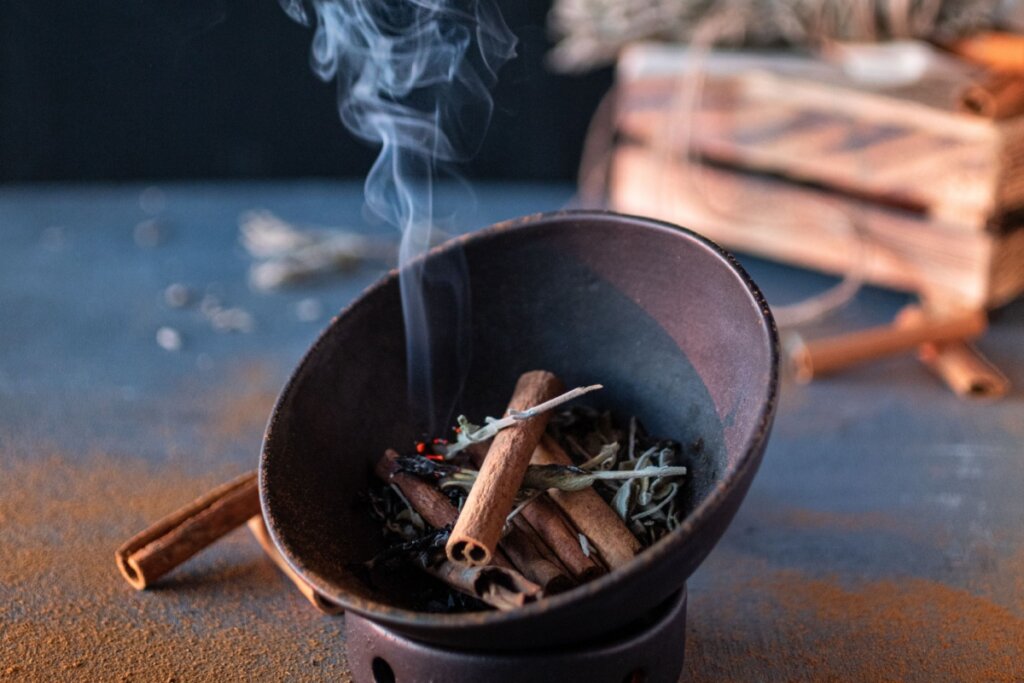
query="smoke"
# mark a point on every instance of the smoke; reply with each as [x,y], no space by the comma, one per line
[414,76]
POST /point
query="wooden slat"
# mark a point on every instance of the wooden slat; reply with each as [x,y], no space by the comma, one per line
[803,226]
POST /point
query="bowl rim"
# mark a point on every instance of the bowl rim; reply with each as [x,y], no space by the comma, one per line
[750,457]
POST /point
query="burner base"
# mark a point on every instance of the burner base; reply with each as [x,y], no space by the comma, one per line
[650,652]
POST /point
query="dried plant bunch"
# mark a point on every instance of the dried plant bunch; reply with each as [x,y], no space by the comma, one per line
[591,32]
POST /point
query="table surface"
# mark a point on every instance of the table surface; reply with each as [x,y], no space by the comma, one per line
[881,539]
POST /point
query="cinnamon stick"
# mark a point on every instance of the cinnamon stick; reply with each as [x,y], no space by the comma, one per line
[999,95]
[531,552]
[997,50]
[536,560]
[500,587]
[824,356]
[259,531]
[478,529]
[499,584]
[431,504]
[959,364]
[150,554]
[589,512]
[550,525]
[965,370]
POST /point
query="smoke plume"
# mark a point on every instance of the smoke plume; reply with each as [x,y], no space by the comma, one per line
[414,77]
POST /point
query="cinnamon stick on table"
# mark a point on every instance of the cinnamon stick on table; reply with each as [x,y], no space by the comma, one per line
[150,554]
[823,356]
[999,95]
[259,531]
[961,366]
[997,50]
[478,529]
[499,585]
[589,512]
[964,370]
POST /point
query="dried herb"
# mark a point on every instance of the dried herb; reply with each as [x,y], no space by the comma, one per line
[646,501]
[468,433]
[564,478]
[286,254]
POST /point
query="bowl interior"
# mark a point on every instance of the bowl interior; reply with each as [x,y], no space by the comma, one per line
[662,318]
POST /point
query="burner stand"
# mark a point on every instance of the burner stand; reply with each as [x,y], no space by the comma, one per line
[648,652]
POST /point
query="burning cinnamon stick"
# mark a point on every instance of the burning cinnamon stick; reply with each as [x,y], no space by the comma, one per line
[262,536]
[588,512]
[478,529]
[824,356]
[150,554]
[499,584]
[961,366]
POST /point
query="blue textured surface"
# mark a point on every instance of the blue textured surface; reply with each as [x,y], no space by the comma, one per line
[880,489]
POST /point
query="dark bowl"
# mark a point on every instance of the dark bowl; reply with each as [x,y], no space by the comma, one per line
[666,320]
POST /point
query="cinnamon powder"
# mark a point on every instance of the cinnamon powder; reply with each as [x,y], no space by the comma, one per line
[239,411]
[788,626]
[66,614]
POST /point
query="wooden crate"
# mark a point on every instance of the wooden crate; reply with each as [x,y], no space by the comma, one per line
[804,120]
[790,154]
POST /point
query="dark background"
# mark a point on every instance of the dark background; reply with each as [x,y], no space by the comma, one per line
[168,89]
